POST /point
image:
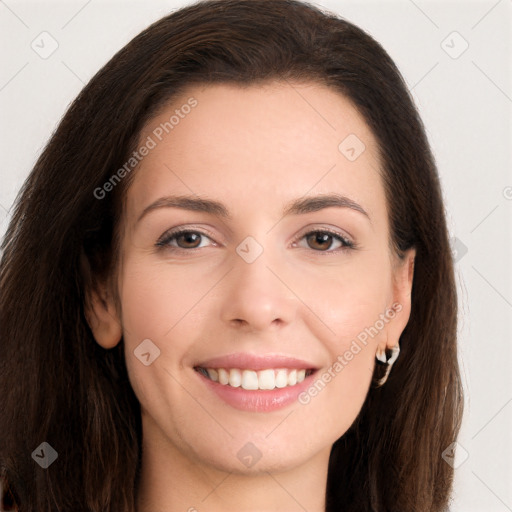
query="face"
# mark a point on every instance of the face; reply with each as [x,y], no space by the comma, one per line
[257,281]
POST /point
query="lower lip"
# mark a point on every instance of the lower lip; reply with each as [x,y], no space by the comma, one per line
[257,400]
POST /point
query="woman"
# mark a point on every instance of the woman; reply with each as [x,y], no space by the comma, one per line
[227,281]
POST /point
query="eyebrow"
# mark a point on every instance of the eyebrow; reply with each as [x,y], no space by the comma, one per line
[299,206]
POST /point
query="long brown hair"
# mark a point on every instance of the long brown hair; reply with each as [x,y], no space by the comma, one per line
[59,386]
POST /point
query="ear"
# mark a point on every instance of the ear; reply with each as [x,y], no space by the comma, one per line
[102,317]
[403,274]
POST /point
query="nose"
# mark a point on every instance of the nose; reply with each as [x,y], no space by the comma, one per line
[257,296]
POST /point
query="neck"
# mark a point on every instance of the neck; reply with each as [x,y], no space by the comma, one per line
[173,480]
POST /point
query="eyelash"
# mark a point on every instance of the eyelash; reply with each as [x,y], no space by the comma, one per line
[164,241]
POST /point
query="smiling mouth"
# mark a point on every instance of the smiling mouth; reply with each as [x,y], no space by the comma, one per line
[252,380]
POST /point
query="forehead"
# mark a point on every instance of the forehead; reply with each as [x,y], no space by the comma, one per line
[258,145]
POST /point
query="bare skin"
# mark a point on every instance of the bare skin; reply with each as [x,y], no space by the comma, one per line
[255,150]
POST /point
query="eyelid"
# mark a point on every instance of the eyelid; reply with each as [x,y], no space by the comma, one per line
[322,228]
[346,242]
[174,232]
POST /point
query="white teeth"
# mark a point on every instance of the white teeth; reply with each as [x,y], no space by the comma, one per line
[249,379]
[223,376]
[253,380]
[235,378]
[281,378]
[213,374]
[267,379]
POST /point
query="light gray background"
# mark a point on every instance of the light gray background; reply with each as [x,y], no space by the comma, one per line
[466,105]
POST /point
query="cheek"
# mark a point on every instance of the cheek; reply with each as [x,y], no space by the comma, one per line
[156,298]
[351,299]
[334,399]
[163,305]
[351,303]
[339,390]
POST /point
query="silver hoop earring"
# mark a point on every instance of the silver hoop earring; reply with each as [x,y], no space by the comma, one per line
[381,357]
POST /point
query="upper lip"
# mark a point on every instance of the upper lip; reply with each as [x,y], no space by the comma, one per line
[246,361]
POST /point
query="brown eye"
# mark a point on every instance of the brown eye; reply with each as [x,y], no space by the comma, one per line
[319,240]
[188,240]
[326,241]
[182,240]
